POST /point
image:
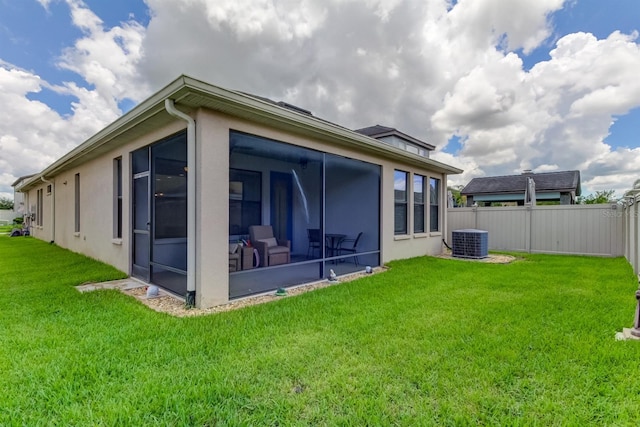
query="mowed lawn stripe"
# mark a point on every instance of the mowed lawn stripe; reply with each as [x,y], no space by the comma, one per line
[429,342]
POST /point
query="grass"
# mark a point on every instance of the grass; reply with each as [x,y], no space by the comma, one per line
[430,342]
[8,228]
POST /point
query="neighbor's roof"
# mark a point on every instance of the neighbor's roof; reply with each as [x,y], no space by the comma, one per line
[545,182]
[190,94]
[379,131]
[22,178]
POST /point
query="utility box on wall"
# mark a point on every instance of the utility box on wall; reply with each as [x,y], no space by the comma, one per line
[470,243]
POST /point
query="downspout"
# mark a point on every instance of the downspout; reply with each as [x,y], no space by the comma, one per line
[53,208]
[191,200]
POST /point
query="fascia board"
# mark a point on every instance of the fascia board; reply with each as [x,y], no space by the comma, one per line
[254,107]
[240,104]
[406,137]
[119,126]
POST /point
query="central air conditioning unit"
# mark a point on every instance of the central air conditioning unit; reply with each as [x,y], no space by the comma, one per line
[470,243]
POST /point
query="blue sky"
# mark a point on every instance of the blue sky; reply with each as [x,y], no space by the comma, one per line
[32,37]
[74,66]
[600,18]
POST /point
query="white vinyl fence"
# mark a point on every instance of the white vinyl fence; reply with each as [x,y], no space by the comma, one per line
[7,216]
[564,229]
[632,233]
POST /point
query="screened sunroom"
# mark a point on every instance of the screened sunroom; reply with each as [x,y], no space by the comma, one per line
[297,213]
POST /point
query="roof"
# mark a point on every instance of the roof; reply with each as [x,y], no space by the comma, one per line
[280,103]
[545,182]
[190,94]
[22,178]
[379,131]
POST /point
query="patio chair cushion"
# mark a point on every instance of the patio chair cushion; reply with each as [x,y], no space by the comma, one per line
[271,242]
[278,250]
[234,262]
[270,250]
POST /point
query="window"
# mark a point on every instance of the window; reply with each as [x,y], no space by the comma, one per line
[39,207]
[434,199]
[169,184]
[400,197]
[77,203]
[49,190]
[245,200]
[418,204]
[117,198]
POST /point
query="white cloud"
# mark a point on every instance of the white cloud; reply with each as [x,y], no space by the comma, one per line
[44,3]
[27,138]
[106,58]
[512,23]
[33,135]
[557,114]
[431,68]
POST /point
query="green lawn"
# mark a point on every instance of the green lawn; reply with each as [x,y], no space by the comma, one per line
[430,342]
[8,228]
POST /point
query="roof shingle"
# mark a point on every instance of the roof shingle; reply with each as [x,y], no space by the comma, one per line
[545,182]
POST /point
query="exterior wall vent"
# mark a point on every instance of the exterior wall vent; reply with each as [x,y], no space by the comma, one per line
[470,243]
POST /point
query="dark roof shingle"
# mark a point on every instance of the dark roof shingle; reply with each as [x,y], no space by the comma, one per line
[545,182]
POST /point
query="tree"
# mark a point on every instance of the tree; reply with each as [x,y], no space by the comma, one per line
[599,197]
[458,199]
[6,203]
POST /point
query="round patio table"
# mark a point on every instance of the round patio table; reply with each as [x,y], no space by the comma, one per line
[333,242]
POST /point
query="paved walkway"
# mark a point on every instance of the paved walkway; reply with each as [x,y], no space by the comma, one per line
[122,284]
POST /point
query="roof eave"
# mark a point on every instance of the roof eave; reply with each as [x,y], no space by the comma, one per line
[409,138]
[117,127]
[240,104]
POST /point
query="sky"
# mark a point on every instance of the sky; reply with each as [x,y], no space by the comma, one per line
[498,86]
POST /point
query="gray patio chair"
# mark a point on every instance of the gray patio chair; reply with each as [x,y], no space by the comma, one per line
[351,247]
[272,251]
[313,234]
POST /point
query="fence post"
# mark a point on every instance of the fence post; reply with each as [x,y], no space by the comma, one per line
[475,217]
[528,228]
[635,331]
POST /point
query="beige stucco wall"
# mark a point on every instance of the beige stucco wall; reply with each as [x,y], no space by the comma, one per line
[43,231]
[212,209]
[411,244]
[95,238]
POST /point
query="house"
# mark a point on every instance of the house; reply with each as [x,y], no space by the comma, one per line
[216,194]
[18,198]
[562,187]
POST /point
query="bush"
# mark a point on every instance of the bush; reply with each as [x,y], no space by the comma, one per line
[18,220]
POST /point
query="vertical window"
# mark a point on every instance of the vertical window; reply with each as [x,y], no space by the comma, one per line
[39,207]
[77,203]
[434,205]
[245,200]
[418,203]
[400,197]
[169,186]
[48,189]
[117,198]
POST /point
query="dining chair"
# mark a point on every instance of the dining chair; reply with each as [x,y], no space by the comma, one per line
[313,234]
[352,247]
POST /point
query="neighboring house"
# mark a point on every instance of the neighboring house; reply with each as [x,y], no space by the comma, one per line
[19,208]
[562,187]
[168,190]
